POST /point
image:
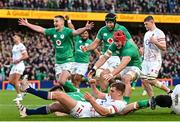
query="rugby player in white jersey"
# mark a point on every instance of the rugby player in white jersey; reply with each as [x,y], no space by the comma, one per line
[19,54]
[154,44]
[104,105]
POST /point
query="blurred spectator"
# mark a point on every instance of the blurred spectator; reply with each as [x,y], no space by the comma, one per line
[2,73]
[132,6]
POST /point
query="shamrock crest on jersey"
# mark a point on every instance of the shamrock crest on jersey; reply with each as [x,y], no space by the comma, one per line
[62,36]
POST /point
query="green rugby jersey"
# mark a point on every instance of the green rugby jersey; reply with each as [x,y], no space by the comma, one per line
[105,35]
[63,44]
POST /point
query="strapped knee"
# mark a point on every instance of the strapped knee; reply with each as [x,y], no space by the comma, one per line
[98,72]
[158,84]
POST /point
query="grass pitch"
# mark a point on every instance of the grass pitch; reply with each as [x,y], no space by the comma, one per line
[9,112]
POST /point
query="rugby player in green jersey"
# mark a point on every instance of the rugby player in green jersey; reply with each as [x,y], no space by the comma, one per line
[105,35]
[62,38]
[82,59]
[128,69]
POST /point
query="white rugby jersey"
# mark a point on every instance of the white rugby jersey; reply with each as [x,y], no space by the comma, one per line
[117,105]
[175,96]
[17,51]
[151,51]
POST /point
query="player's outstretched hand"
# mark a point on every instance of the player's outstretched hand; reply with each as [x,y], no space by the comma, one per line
[83,48]
[23,22]
[89,26]
[91,73]
[67,17]
[88,96]
[108,76]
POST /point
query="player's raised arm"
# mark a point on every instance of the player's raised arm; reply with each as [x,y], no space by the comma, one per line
[103,59]
[36,28]
[92,46]
[95,91]
[69,23]
[88,26]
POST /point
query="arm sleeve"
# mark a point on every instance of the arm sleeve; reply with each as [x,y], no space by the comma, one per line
[161,35]
[70,32]
[23,48]
[99,35]
[48,32]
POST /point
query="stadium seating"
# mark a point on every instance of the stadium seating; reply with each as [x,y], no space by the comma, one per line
[133,6]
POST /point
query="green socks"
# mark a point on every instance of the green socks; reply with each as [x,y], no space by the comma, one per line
[126,99]
[69,87]
[143,103]
[133,84]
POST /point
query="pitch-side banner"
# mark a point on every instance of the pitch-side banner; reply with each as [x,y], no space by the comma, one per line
[31,14]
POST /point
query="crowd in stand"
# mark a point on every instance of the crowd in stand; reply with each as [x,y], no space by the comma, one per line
[132,6]
[40,65]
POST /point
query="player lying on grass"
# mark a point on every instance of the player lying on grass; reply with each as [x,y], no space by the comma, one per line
[104,105]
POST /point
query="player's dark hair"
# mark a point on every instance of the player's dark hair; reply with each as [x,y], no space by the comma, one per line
[119,86]
[60,16]
[18,34]
[110,17]
[148,18]
[163,100]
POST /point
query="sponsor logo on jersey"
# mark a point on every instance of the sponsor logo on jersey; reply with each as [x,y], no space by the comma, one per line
[58,42]
[110,40]
[80,41]
[62,36]
[81,47]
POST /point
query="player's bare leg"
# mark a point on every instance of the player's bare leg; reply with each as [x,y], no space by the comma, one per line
[43,110]
[102,82]
[127,81]
[148,87]
[160,85]
[14,80]
[63,80]
[77,80]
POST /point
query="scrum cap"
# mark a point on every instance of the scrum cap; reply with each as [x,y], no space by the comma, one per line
[119,36]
